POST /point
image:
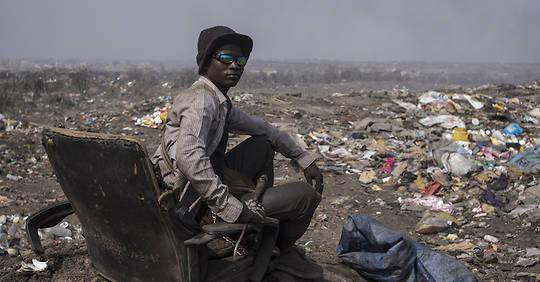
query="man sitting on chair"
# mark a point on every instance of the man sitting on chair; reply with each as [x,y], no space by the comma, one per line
[193,153]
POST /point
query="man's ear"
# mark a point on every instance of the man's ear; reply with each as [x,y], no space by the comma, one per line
[204,69]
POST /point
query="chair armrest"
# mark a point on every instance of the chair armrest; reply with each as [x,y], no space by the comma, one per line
[214,230]
[199,239]
[270,221]
[47,217]
[223,228]
[269,229]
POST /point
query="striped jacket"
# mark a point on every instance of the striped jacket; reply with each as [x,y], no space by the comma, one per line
[193,130]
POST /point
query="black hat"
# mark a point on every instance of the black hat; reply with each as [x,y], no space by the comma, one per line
[212,38]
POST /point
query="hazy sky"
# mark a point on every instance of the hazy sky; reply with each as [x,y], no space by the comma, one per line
[377,30]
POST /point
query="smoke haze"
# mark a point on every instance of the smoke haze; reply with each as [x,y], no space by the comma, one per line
[447,31]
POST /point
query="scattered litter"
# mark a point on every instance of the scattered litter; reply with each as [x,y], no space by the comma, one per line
[474,103]
[433,222]
[35,266]
[489,197]
[243,97]
[405,105]
[339,200]
[154,120]
[13,177]
[532,211]
[529,159]
[12,252]
[367,176]
[432,202]
[526,262]
[532,252]
[445,121]
[461,246]
[491,239]
[431,188]
[513,129]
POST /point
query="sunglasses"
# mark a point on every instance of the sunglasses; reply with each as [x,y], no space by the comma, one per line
[228,59]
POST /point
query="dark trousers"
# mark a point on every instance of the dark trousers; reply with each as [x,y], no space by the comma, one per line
[292,203]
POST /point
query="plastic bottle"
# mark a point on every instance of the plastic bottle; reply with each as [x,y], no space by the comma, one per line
[14,227]
[3,240]
[58,231]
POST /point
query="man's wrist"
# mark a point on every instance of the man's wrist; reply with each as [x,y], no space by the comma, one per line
[305,160]
[232,209]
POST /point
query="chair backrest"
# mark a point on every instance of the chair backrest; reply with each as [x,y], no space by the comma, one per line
[111,185]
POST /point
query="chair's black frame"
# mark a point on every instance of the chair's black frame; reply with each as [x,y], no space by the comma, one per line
[195,264]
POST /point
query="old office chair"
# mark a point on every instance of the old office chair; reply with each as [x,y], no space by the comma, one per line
[110,185]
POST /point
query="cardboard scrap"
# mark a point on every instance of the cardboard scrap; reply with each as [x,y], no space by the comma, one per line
[399,169]
[367,176]
[462,246]
[4,201]
[487,208]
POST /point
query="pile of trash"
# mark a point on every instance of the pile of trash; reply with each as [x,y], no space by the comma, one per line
[457,170]
[439,144]
[14,243]
[458,157]
[154,120]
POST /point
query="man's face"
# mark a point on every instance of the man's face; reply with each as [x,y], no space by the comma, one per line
[225,75]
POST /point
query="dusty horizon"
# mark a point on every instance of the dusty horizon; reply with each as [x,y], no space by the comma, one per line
[494,31]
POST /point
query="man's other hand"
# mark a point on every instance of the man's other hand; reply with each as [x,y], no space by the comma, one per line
[312,173]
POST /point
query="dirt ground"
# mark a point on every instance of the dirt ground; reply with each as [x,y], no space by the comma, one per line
[98,110]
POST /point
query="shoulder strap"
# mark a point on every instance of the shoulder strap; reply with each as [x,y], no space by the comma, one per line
[169,198]
[165,156]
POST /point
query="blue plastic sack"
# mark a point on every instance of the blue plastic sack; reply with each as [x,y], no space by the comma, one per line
[382,254]
[513,129]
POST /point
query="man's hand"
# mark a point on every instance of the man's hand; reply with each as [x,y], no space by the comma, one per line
[312,173]
[252,212]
